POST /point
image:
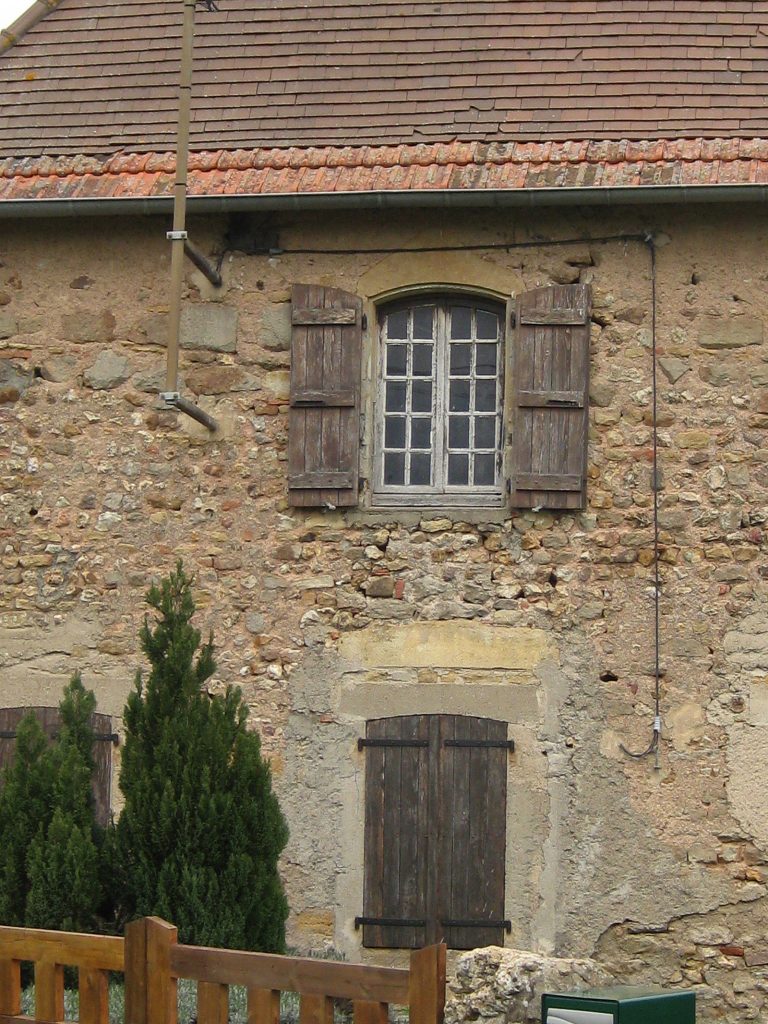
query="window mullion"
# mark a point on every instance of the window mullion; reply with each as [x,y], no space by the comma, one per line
[441,395]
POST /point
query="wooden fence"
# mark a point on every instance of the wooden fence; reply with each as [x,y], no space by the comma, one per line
[152,961]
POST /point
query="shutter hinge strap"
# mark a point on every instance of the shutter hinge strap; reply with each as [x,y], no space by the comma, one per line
[391,922]
[105,737]
[507,744]
[458,923]
[361,743]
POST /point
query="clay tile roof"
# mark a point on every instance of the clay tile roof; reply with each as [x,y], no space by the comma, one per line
[362,94]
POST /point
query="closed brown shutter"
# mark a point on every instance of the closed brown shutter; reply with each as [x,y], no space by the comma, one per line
[324,430]
[551,389]
[435,831]
[473,838]
[50,722]
[397,826]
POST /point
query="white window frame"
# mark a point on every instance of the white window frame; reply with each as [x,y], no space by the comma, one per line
[439,494]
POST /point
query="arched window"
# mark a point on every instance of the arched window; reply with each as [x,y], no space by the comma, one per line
[439,411]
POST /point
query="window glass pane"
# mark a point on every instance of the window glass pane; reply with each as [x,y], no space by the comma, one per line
[421,432]
[394,432]
[485,431]
[397,360]
[423,319]
[422,360]
[458,432]
[397,324]
[485,360]
[484,470]
[421,396]
[396,396]
[487,324]
[458,469]
[394,467]
[485,395]
[421,469]
[459,395]
[461,357]
[461,322]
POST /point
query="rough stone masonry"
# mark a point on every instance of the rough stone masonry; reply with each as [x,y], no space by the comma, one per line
[327,619]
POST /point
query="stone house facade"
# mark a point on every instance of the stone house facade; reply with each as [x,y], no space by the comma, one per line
[449,650]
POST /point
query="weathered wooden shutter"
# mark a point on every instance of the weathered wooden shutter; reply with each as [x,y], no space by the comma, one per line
[397,830]
[551,389]
[473,779]
[50,722]
[324,429]
[435,831]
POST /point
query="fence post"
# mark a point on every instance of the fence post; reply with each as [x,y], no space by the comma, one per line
[162,1005]
[426,985]
[10,987]
[136,972]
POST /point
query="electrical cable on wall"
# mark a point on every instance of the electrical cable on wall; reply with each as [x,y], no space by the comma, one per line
[654,746]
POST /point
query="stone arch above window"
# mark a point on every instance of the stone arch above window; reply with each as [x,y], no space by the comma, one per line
[401,273]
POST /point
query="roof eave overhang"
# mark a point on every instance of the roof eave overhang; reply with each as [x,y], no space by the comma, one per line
[626,195]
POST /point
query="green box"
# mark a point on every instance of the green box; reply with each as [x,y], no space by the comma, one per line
[620,1004]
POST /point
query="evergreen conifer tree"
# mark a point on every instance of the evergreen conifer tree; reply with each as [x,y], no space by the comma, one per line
[25,802]
[201,831]
[49,857]
[63,859]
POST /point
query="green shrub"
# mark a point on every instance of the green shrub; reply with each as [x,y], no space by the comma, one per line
[201,831]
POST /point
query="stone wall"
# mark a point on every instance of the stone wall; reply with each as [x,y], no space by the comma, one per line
[100,490]
[505,986]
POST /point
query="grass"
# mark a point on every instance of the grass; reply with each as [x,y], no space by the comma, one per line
[289,1004]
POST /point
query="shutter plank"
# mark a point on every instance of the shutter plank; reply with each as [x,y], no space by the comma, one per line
[102,773]
[414,823]
[374,836]
[9,722]
[560,425]
[496,818]
[578,436]
[350,362]
[298,416]
[330,418]
[392,836]
[435,857]
[326,354]
[313,418]
[551,382]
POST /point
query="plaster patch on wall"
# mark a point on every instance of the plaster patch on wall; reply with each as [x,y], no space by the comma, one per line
[758,701]
[747,646]
[458,644]
[685,724]
[748,764]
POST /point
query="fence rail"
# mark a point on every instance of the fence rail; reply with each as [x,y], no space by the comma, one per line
[152,961]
